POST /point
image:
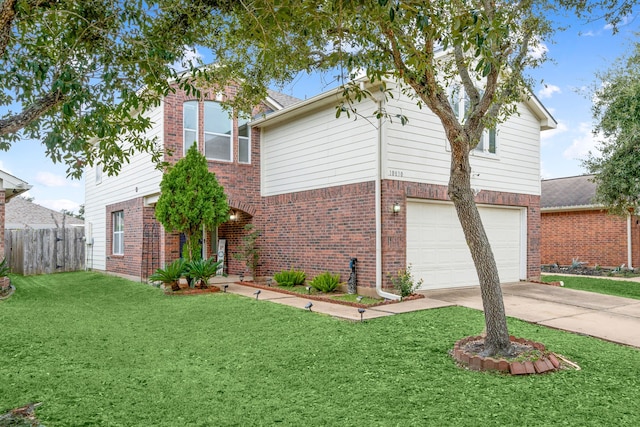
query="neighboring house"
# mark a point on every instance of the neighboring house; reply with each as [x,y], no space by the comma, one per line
[576,228]
[21,213]
[324,190]
[10,187]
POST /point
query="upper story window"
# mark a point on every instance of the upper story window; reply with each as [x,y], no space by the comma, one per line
[98,173]
[190,124]
[217,132]
[118,232]
[460,103]
[244,141]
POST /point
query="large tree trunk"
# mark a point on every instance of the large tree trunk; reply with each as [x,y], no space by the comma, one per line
[497,340]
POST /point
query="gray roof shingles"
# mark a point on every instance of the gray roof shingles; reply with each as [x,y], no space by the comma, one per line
[571,191]
[21,213]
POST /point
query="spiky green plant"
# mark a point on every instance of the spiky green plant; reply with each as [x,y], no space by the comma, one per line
[170,274]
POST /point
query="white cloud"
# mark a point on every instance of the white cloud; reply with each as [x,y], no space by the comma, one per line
[190,57]
[588,34]
[548,91]
[583,144]
[59,204]
[625,20]
[48,179]
[551,133]
[538,50]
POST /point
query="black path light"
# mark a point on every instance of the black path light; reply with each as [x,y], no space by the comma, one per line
[359,298]
[241,277]
[308,290]
[309,305]
[224,288]
[257,293]
[361,311]
[269,280]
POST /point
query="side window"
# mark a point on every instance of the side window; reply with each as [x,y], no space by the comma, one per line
[118,233]
[460,105]
[98,173]
[189,124]
[244,141]
[217,132]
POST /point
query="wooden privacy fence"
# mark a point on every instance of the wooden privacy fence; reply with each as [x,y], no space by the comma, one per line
[40,251]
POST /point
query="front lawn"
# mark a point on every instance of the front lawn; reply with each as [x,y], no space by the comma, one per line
[620,288]
[103,351]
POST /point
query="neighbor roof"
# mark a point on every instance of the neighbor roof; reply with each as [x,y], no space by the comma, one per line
[568,192]
[21,213]
[283,99]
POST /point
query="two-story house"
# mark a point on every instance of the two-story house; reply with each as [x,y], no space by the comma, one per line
[323,190]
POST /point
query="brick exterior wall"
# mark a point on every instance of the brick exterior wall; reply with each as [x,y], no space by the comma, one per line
[320,230]
[593,236]
[139,258]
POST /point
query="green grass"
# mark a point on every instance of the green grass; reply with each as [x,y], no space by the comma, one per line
[354,298]
[620,288]
[103,351]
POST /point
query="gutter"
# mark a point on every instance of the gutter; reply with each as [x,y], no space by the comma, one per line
[378,198]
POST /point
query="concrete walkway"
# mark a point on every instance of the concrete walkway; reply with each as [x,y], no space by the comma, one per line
[607,317]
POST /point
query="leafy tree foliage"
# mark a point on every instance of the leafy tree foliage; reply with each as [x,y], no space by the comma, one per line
[616,109]
[191,199]
[76,72]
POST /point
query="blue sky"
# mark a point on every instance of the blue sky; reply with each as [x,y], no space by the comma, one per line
[575,56]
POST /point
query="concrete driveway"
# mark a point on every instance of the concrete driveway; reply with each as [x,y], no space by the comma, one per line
[611,318]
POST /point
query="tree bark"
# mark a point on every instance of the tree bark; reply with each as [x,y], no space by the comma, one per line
[497,340]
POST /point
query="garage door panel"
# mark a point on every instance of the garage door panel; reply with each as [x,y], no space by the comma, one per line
[439,254]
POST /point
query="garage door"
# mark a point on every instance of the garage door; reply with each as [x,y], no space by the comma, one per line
[438,252]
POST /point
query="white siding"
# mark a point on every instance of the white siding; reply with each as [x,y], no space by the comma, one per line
[418,151]
[317,150]
[138,178]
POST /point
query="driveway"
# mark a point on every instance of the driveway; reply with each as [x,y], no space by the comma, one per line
[611,318]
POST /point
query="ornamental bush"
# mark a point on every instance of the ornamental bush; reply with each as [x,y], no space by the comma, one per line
[290,277]
[325,282]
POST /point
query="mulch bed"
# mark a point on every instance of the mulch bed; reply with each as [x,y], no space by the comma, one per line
[327,298]
[193,291]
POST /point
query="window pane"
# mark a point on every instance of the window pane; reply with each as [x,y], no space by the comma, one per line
[243,150]
[217,147]
[190,115]
[216,120]
[189,139]
[243,127]
[492,141]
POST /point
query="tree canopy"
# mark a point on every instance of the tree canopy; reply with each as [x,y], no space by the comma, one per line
[191,200]
[79,75]
[616,110]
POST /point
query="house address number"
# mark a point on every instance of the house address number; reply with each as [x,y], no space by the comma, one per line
[396,173]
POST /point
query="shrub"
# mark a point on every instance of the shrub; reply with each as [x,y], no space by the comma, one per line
[170,274]
[4,268]
[404,282]
[290,277]
[201,270]
[326,282]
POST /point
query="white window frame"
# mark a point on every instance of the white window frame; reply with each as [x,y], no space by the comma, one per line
[185,129]
[219,135]
[117,242]
[483,147]
[246,139]
[98,173]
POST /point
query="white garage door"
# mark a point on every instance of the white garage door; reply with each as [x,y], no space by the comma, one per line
[438,252]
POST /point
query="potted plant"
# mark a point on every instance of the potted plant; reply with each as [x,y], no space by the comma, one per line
[170,274]
[201,270]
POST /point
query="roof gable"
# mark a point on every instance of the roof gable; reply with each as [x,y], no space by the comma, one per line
[21,213]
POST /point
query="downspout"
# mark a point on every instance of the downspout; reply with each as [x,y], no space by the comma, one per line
[378,197]
[629,246]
